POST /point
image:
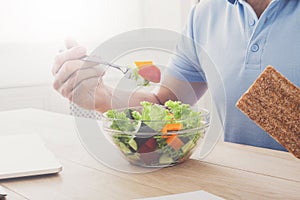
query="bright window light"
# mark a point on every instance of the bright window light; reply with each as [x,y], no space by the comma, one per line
[32,32]
[49,20]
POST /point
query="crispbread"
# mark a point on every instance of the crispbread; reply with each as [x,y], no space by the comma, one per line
[273,103]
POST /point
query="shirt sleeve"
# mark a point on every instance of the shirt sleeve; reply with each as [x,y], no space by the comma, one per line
[184,63]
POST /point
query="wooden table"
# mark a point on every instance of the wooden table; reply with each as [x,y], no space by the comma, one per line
[231,171]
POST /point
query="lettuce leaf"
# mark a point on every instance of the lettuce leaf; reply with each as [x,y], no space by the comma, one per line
[183,113]
[121,121]
[154,115]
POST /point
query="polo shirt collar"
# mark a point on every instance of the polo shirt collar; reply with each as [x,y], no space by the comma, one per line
[232,1]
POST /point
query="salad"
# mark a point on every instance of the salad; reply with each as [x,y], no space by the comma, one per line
[146,72]
[156,135]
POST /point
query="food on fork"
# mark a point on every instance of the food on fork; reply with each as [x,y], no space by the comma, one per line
[148,71]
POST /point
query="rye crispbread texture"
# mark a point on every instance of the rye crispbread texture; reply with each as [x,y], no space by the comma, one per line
[273,103]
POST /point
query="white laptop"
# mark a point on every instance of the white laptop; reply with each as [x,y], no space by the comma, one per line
[25,155]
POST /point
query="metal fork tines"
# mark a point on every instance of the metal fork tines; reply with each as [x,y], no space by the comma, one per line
[97,60]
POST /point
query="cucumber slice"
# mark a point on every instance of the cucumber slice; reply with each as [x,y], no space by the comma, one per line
[133,156]
[124,148]
[165,159]
[132,143]
[187,147]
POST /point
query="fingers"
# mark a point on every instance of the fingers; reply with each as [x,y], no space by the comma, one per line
[73,53]
[68,87]
[66,71]
[77,79]
[70,43]
[84,91]
[79,67]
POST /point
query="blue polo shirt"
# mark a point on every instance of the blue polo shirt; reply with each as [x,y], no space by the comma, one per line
[241,46]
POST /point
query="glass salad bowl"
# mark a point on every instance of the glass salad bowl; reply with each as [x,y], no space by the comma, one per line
[153,135]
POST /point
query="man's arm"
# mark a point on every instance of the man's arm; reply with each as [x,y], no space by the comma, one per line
[186,92]
[84,86]
[172,89]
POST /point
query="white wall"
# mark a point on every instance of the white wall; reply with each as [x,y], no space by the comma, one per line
[162,14]
[37,96]
[167,14]
[32,32]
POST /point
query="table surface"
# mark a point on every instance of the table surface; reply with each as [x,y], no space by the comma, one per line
[230,171]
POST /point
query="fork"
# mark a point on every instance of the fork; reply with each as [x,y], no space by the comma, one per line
[128,72]
[142,76]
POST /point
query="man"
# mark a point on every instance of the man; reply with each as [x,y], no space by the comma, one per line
[241,37]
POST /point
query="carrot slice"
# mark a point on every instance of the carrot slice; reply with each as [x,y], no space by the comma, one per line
[170,127]
[164,130]
[141,64]
[175,142]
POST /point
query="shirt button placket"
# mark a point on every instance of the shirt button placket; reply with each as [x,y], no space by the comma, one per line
[258,36]
[253,57]
[251,22]
[254,47]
